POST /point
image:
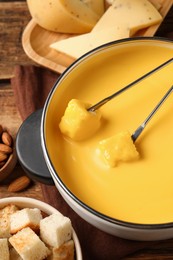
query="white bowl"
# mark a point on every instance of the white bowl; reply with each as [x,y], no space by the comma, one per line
[54,107]
[24,202]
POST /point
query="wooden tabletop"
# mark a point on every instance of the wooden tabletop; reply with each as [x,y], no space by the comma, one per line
[14,16]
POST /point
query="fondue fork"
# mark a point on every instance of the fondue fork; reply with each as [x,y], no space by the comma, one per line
[139,130]
[105,100]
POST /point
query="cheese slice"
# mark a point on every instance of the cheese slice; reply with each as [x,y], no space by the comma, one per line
[78,45]
[96,5]
[138,14]
[156,3]
[65,16]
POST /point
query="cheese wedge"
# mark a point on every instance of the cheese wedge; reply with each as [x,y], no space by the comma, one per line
[138,14]
[156,3]
[76,46]
[96,5]
[64,16]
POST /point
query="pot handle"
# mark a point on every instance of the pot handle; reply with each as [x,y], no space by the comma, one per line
[29,150]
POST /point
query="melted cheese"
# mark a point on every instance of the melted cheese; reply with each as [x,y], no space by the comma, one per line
[118,148]
[140,191]
[76,121]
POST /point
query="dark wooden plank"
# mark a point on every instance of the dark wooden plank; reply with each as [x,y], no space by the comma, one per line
[162,250]
[13,19]
[167,25]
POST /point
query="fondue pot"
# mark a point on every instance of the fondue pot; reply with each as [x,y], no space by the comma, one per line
[132,199]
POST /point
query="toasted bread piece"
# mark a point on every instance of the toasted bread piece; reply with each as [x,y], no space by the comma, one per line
[28,245]
[4,249]
[14,255]
[5,214]
[55,230]
[25,218]
[64,252]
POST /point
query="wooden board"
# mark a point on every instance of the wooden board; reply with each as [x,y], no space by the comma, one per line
[36,41]
[14,16]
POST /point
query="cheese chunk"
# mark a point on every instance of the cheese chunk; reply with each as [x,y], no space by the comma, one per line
[138,15]
[77,123]
[76,46]
[156,3]
[96,5]
[118,148]
[64,16]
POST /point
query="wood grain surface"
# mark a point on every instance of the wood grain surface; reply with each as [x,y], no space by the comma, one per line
[14,16]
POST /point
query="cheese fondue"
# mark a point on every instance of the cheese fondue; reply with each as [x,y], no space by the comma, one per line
[117,148]
[138,192]
[76,121]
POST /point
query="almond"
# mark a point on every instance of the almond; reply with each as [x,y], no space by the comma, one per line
[7,138]
[5,149]
[3,156]
[19,184]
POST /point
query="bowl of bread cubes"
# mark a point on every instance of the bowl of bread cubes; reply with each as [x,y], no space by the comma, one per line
[33,230]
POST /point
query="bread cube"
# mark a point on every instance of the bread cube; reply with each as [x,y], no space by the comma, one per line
[4,249]
[64,252]
[25,218]
[78,123]
[55,230]
[5,214]
[118,148]
[8,210]
[14,255]
[28,245]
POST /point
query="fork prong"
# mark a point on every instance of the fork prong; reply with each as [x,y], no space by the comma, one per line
[105,100]
[139,130]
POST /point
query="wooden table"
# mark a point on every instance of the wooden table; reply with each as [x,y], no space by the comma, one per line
[13,18]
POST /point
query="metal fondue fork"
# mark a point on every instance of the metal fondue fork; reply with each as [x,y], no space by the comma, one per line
[139,130]
[105,100]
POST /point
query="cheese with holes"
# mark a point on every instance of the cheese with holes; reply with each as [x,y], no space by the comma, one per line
[78,123]
[119,147]
[64,16]
[78,45]
[138,15]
